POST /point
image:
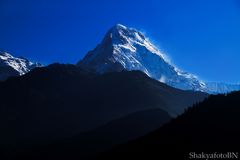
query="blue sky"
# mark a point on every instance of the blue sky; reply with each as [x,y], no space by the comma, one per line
[199,36]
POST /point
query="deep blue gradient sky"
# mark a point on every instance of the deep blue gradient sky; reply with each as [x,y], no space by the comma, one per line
[199,36]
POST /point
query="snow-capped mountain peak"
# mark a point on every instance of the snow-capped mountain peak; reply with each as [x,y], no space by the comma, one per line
[14,66]
[129,37]
[5,55]
[126,48]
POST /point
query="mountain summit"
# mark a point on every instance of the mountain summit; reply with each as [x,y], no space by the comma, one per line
[126,48]
[14,66]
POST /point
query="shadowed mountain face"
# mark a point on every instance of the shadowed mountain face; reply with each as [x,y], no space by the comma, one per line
[60,101]
[211,126]
[91,143]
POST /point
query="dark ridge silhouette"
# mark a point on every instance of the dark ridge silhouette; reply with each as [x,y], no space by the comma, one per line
[6,71]
[101,139]
[57,102]
[210,126]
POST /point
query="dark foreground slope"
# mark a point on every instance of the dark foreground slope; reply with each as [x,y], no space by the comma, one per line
[61,101]
[91,143]
[211,126]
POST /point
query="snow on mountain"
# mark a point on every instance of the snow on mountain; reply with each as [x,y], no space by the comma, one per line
[13,66]
[128,49]
[214,87]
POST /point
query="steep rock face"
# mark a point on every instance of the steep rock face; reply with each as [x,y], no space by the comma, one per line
[128,49]
[12,66]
